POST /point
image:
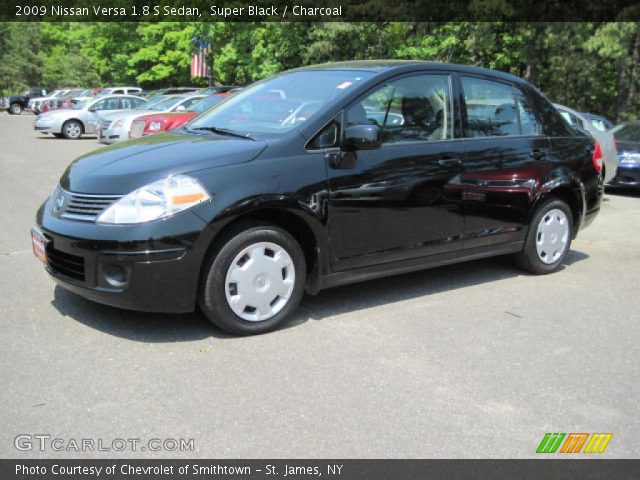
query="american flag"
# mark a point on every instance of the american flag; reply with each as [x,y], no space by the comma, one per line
[199,66]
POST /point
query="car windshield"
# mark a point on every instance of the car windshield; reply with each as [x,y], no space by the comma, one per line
[627,132]
[275,106]
[61,93]
[206,103]
[166,103]
[150,103]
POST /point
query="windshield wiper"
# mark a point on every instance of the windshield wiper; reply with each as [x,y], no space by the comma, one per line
[224,131]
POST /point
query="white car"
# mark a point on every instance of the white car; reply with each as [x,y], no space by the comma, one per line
[114,127]
[72,123]
[605,139]
[119,91]
[35,104]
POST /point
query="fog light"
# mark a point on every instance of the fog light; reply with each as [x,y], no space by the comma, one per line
[115,275]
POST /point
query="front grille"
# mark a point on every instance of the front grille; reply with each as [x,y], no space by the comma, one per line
[66,264]
[137,129]
[80,206]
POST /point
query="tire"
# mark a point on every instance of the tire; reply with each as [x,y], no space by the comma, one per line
[254,263]
[548,239]
[72,129]
[15,109]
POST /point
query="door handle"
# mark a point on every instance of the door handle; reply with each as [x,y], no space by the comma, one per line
[450,162]
[537,154]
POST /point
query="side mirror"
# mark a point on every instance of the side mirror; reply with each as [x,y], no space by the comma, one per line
[180,108]
[362,137]
[93,109]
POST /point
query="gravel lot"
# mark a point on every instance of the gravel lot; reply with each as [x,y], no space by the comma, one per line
[474,360]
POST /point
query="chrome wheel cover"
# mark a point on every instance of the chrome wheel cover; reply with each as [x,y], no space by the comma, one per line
[16,109]
[552,236]
[72,129]
[260,281]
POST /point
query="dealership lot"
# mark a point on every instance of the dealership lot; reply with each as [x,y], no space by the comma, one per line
[474,360]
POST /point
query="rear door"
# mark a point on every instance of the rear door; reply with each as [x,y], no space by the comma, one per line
[506,152]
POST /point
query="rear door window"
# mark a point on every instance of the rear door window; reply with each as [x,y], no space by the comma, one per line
[491,108]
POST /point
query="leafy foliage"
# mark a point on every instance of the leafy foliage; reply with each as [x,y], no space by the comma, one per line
[588,66]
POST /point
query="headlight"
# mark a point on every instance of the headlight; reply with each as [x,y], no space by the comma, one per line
[154,126]
[157,200]
[118,123]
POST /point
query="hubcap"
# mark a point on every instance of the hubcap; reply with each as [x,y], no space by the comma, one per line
[260,281]
[552,236]
[15,109]
[73,129]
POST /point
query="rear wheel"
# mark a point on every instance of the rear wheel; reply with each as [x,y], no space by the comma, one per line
[254,281]
[15,109]
[549,238]
[72,129]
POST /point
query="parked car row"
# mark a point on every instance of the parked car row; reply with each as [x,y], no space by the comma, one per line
[620,146]
[40,99]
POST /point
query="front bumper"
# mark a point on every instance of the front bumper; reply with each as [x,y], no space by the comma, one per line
[113,135]
[45,125]
[151,267]
[626,176]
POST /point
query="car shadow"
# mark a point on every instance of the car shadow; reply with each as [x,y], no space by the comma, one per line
[51,137]
[160,327]
[623,192]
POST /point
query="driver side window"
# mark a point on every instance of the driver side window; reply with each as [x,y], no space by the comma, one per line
[416,108]
[99,106]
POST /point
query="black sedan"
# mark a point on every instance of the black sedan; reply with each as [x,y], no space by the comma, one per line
[318,177]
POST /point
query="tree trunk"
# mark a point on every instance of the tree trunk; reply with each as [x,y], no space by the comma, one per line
[633,80]
[534,54]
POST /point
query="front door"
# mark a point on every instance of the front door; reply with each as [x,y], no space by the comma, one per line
[394,202]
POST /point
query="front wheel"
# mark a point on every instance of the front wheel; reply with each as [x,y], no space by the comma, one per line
[15,109]
[254,281]
[549,238]
[72,130]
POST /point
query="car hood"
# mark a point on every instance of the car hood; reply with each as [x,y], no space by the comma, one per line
[61,113]
[112,115]
[168,115]
[121,168]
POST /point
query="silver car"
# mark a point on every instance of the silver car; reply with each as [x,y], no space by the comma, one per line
[605,139]
[80,119]
[114,127]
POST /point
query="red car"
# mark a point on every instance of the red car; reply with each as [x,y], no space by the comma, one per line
[162,122]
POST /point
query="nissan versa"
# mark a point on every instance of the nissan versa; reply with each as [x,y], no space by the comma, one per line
[317,177]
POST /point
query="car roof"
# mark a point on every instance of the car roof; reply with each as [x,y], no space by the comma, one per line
[379,66]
